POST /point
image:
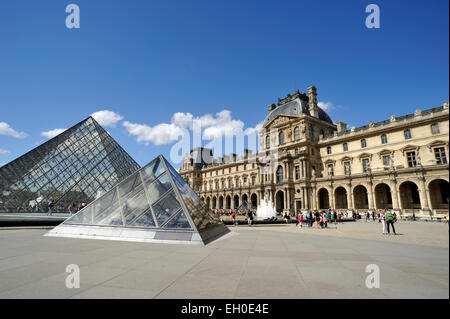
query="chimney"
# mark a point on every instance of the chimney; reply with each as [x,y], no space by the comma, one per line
[233,157]
[272,107]
[313,108]
[341,126]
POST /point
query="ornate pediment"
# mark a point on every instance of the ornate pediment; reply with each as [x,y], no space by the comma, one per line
[437,143]
[346,159]
[410,148]
[279,120]
[385,152]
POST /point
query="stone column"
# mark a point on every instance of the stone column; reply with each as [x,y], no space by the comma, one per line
[303,168]
[370,196]
[394,196]
[349,197]
[314,204]
[423,197]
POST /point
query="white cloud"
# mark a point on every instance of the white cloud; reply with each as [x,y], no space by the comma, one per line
[107,118]
[254,130]
[5,129]
[53,133]
[328,106]
[183,119]
[213,126]
[158,135]
[4,152]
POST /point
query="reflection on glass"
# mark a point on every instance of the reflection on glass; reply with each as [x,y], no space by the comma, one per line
[84,216]
[157,188]
[145,220]
[179,221]
[152,170]
[166,207]
[134,207]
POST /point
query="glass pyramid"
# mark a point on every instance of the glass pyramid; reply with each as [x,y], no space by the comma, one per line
[152,204]
[75,166]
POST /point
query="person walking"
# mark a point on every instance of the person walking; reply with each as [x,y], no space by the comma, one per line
[325,220]
[50,208]
[382,219]
[317,219]
[373,215]
[233,219]
[367,216]
[250,217]
[71,208]
[390,220]
[308,218]
[300,220]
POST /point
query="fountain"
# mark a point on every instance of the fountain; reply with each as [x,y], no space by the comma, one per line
[265,209]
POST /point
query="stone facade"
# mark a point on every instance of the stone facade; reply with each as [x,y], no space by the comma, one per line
[400,163]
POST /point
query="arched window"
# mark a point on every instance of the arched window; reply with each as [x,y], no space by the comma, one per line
[383,139]
[363,143]
[296,133]
[267,141]
[281,137]
[279,174]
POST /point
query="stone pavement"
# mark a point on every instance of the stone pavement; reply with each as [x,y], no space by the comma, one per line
[275,261]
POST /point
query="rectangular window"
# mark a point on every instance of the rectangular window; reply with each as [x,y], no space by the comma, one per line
[347,168]
[297,172]
[435,128]
[439,154]
[330,170]
[387,160]
[345,146]
[411,158]
[407,134]
[365,163]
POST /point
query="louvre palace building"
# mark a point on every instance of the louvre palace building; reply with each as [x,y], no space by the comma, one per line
[400,163]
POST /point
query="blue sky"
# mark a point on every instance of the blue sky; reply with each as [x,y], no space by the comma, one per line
[147,60]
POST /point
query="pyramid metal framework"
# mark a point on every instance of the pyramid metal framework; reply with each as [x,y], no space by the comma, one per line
[154,204]
[75,166]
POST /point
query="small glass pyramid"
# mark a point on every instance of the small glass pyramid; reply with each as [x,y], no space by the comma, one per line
[152,204]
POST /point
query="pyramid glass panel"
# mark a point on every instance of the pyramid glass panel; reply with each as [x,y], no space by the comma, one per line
[75,166]
[179,221]
[152,204]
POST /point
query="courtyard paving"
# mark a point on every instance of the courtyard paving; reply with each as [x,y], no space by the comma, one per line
[273,261]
